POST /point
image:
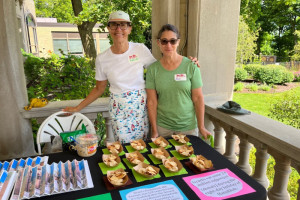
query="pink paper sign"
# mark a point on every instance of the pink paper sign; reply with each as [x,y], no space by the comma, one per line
[215,185]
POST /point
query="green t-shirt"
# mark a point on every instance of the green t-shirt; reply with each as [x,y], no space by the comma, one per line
[175,108]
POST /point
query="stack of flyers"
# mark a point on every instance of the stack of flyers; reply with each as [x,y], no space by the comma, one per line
[52,179]
[16,165]
[7,180]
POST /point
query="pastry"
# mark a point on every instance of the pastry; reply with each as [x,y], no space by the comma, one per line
[180,138]
[133,158]
[110,160]
[137,145]
[201,162]
[117,177]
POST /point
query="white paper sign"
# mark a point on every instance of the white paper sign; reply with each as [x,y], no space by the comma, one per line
[160,192]
[217,185]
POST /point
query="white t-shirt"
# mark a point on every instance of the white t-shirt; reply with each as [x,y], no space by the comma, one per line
[124,71]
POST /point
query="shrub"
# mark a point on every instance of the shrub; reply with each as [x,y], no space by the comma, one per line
[240,74]
[287,77]
[252,69]
[269,74]
[61,78]
[264,87]
[297,76]
[238,87]
[277,66]
[287,109]
[252,87]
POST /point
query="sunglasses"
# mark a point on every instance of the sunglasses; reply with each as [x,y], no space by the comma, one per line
[114,25]
[165,41]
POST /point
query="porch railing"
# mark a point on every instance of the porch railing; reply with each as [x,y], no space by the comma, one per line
[268,136]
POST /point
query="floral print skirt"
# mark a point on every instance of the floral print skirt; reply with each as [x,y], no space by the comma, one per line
[129,115]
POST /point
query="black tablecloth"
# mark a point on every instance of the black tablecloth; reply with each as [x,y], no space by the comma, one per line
[200,147]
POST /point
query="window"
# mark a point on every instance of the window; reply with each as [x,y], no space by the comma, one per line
[32,45]
[70,43]
[75,46]
[104,44]
[60,44]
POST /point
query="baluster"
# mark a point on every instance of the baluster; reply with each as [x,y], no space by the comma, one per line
[261,165]
[109,133]
[281,178]
[230,145]
[219,137]
[298,170]
[245,147]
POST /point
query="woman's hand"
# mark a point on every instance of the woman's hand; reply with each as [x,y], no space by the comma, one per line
[154,134]
[71,109]
[194,60]
[204,132]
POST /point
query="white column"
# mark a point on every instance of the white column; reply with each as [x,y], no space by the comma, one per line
[16,134]
[230,145]
[298,170]
[109,134]
[163,12]
[212,38]
[219,137]
[261,165]
[281,178]
[243,162]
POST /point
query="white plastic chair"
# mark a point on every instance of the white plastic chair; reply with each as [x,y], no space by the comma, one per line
[60,122]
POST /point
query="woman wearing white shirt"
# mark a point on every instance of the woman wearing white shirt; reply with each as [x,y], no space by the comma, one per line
[123,66]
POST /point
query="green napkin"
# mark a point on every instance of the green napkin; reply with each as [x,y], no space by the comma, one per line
[139,178]
[154,145]
[106,196]
[175,143]
[179,156]
[130,166]
[104,168]
[168,173]
[154,159]
[106,151]
[131,149]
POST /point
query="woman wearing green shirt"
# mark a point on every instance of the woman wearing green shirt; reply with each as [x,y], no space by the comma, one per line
[174,90]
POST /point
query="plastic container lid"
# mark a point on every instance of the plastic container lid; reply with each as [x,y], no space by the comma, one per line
[87,139]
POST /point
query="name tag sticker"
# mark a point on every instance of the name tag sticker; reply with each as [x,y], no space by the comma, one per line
[180,77]
[133,58]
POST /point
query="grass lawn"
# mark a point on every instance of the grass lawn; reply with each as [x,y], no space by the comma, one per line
[260,103]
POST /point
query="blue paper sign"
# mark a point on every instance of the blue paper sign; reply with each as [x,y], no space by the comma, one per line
[162,190]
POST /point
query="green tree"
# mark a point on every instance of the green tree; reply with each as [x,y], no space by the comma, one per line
[87,13]
[59,9]
[251,11]
[85,29]
[246,42]
[280,19]
[277,21]
[296,51]
[266,44]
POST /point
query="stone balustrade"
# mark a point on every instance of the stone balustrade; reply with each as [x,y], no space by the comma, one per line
[269,137]
[91,111]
